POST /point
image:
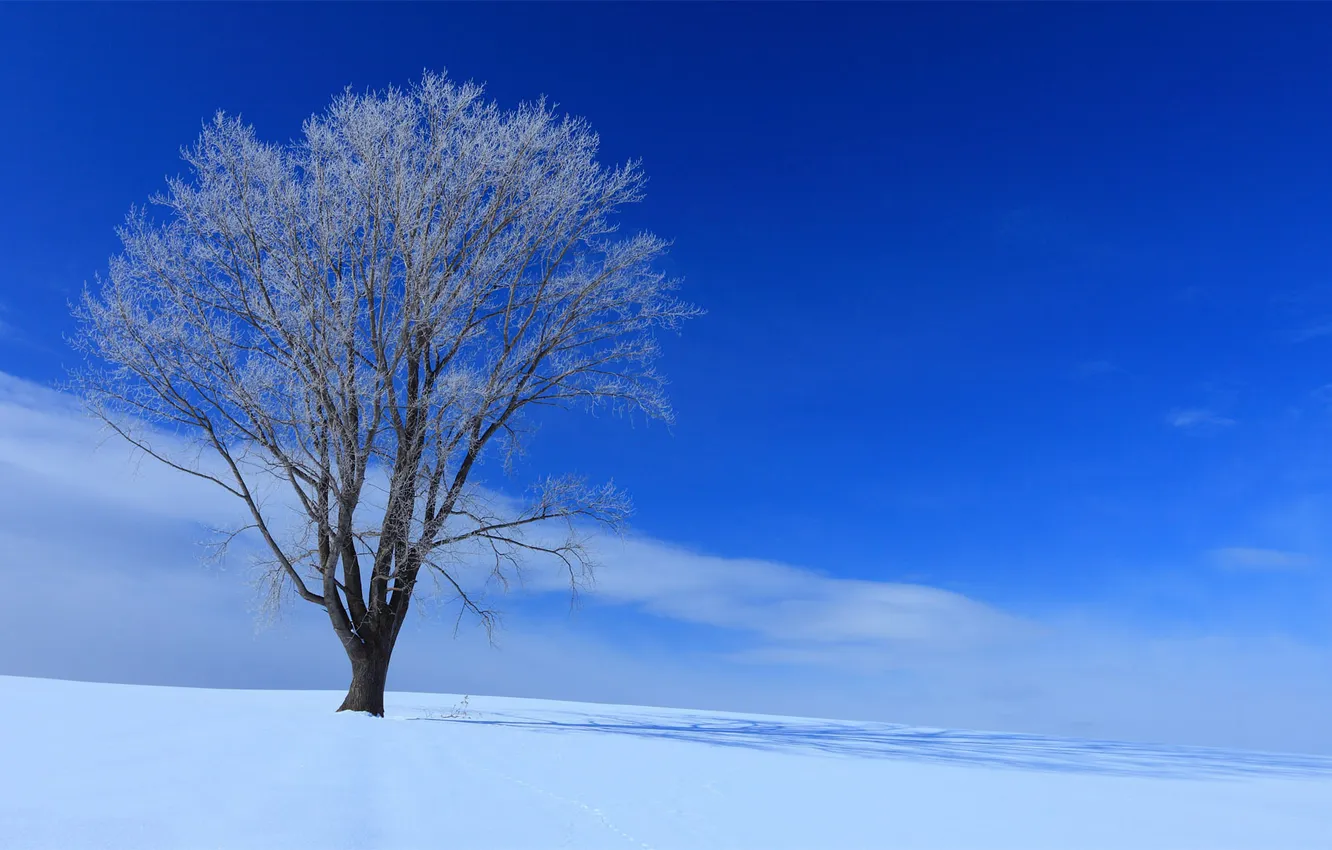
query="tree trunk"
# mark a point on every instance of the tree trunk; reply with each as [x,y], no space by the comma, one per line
[369,675]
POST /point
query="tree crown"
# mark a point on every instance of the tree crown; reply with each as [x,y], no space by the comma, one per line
[391,291]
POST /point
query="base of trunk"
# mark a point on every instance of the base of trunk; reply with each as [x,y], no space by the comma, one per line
[366,692]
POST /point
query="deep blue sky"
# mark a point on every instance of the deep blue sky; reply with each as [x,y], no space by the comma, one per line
[1029,302]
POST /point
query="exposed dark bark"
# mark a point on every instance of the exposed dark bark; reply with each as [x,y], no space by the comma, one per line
[369,675]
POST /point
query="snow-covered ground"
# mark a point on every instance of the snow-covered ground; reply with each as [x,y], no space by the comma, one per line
[100,766]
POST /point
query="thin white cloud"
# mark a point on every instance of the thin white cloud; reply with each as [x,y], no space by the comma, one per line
[785,604]
[1260,560]
[45,434]
[1196,417]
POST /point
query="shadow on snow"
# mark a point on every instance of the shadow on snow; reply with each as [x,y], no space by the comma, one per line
[907,743]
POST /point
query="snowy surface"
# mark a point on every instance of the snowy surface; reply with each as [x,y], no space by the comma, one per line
[101,766]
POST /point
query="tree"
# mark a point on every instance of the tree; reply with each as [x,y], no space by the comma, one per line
[359,315]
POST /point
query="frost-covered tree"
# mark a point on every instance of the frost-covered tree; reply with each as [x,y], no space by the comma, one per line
[359,315]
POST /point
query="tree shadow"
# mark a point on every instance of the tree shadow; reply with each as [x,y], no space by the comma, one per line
[908,743]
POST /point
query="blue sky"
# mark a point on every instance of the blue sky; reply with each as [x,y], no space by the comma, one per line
[1026,305]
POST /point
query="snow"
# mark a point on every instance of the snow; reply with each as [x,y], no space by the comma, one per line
[120,766]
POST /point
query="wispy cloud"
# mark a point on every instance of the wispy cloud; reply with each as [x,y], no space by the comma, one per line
[1260,560]
[1197,417]
[45,434]
[788,605]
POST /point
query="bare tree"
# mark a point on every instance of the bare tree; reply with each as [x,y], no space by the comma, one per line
[359,314]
